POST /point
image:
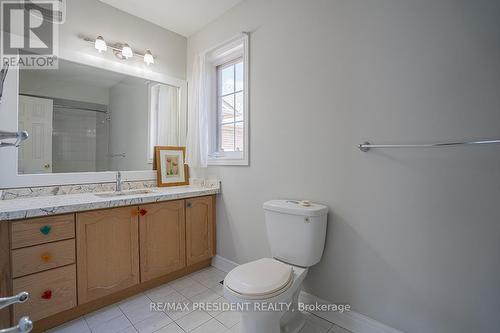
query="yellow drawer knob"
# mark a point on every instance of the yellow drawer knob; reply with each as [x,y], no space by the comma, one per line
[46,257]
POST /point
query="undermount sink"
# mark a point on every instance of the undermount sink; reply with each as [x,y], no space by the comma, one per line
[122,193]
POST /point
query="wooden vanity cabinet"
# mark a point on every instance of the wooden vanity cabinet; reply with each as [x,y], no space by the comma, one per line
[119,252]
[162,239]
[200,229]
[42,262]
[107,252]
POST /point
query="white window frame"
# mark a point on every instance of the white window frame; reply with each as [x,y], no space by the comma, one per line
[235,49]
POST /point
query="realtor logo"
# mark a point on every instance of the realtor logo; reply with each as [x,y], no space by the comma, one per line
[29,34]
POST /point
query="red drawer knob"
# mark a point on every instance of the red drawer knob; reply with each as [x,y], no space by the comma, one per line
[143,212]
[47,294]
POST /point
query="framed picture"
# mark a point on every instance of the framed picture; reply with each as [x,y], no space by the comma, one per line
[170,166]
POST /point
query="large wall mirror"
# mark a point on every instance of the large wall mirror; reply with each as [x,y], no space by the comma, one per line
[87,119]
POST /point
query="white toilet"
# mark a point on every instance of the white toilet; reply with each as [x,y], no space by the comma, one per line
[267,290]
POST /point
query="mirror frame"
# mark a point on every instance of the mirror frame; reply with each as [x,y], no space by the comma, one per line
[9,177]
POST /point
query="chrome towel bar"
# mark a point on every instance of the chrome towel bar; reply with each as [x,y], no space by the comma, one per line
[366,146]
[19,136]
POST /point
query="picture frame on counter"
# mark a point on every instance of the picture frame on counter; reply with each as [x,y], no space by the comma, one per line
[170,166]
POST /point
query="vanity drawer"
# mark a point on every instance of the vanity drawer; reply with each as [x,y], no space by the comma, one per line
[39,258]
[50,292]
[42,230]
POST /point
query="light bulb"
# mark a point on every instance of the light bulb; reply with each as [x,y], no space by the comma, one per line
[127,51]
[100,44]
[148,58]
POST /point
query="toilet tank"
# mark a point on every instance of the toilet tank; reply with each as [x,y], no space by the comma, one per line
[296,231]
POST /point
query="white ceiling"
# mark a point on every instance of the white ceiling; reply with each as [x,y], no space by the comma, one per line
[182,16]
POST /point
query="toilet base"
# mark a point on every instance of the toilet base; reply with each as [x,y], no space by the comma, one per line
[252,322]
[284,319]
[290,321]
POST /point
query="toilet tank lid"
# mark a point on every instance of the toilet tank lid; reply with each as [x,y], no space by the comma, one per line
[296,207]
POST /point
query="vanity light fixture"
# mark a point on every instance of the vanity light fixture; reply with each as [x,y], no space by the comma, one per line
[122,51]
[148,58]
[127,51]
[100,44]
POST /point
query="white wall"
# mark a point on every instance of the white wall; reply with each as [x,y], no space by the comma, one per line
[413,235]
[92,18]
[128,106]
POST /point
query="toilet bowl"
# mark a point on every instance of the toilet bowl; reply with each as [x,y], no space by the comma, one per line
[266,291]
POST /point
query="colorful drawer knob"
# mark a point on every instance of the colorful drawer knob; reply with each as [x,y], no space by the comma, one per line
[45,229]
[143,212]
[47,294]
[46,257]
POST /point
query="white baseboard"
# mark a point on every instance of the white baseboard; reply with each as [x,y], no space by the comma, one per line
[350,320]
[223,264]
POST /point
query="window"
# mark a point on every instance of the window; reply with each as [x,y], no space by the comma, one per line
[229,119]
[230,107]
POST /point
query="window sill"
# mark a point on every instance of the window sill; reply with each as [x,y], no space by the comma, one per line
[227,161]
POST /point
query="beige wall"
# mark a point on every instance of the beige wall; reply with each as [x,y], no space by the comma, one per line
[413,235]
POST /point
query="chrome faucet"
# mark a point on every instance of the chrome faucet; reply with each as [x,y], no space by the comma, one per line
[24,325]
[19,298]
[118,181]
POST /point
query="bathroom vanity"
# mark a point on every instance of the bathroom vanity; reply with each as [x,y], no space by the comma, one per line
[73,255]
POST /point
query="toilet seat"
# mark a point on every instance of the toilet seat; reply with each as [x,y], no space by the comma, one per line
[260,279]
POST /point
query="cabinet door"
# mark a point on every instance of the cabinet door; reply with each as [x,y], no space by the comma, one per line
[162,232]
[200,239]
[107,252]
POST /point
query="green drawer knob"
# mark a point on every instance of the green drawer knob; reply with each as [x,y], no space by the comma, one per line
[45,229]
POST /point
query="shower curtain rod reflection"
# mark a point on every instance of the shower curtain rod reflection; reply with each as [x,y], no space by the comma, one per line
[72,104]
[366,146]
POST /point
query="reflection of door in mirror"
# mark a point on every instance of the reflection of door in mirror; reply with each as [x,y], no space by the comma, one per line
[35,116]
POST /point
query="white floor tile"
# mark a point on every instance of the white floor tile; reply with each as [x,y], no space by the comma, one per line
[229,318]
[211,326]
[207,296]
[311,327]
[173,297]
[317,320]
[75,326]
[189,287]
[219,289]
[133,315]
[153,323]
[182,283]
[208,277]
[235,329]
[139,314]
[177,299]
[193,320]
[178,314]
[160,292]
[219,303]
[171,328]
[114,325]
[338,329]
[102,315]
[140,300]
[218,271]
